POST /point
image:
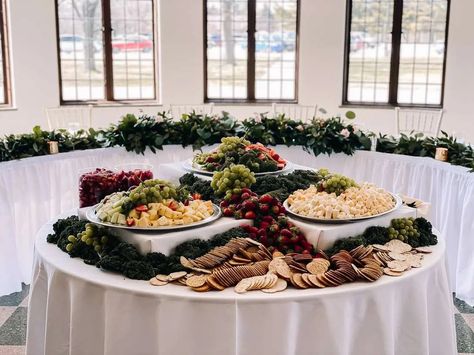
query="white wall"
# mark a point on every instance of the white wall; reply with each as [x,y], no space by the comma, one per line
[35,77]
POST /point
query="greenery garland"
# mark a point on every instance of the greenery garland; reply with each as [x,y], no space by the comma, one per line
[319,136]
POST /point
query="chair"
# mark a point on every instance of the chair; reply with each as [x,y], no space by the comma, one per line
[178,110]
[427,122]
[296,112]
[70,118]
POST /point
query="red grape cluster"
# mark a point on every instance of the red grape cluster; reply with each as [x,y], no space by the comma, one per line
[96,184]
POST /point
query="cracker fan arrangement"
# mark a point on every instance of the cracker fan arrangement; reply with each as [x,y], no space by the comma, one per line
[268,252]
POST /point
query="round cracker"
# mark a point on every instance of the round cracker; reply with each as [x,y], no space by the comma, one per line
[280,285]
[155,282]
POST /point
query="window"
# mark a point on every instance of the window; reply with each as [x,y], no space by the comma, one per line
[395,52]
[5,97]
[251,50]
[106,50]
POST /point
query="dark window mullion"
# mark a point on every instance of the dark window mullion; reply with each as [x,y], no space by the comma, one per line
[251,30]
[5,54]
[107,45]
[395,58]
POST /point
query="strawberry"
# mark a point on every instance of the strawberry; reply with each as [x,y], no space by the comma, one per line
[264,225]
[294,230]
[282,210]
[263,207]
[247,190]
[141,208]
[264,240]
[261,232]
[252,229]
[283,240]
[275,210]
[298,249]
[248,205]
[173,205]
[268,219]
[238,215]
[274,228]
[306,251]
[265,199]
[228,212]
[245,196]
[286,233]
[250,215]
[294,239]
[224,203]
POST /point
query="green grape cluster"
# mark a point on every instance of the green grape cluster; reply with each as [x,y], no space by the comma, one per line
[403,229]
[90,236]
[232,180]
[151,191]
[335,183]
[322,173]
[229,144]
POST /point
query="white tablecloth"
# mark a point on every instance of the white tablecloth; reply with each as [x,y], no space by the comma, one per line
[35,190]
[77,309]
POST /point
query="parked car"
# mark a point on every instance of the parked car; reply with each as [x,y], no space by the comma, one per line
[289,40]
[74,43]
[132,43]
[356,42]
[363,39]
[439,47]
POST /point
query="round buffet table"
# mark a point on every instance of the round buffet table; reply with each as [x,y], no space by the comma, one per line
[78,309]
[35,190]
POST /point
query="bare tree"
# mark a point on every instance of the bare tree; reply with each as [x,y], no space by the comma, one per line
[228,35]
[86,11]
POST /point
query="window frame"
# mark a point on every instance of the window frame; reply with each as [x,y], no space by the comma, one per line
[394,61]
[251,31]
[108,61]
[7,92]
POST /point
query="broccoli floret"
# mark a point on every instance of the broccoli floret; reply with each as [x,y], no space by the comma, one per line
[138,270]
[376,235]
[425,229]
[268,165]
[188,179]
[156,259]
[422,224]
[192,249]
[345,244]
[126,251]
[111,263]
[192,185]
[85,252]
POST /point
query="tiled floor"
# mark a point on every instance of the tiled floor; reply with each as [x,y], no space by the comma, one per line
[13,310]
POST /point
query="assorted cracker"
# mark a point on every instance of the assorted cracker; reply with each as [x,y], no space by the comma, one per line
[247,265]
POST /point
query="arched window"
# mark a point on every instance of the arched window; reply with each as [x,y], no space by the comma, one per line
[106,50]
[396,52]
[251,50]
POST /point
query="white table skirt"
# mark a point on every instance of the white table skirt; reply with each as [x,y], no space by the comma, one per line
[77,309]
[33,191]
